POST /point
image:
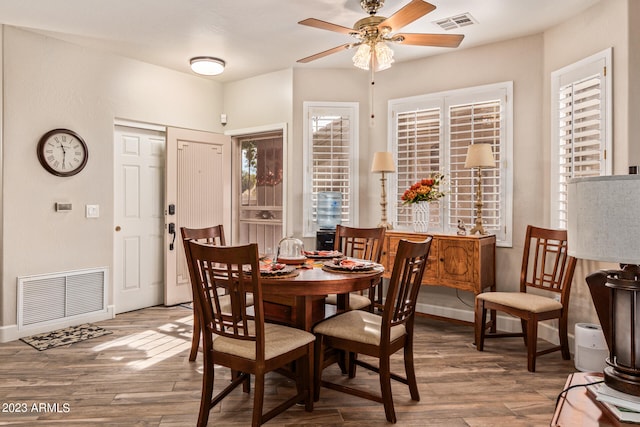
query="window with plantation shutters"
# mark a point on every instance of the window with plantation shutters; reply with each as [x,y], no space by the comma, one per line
[475,123]
[417,155]
[580,130]
[431,134]
[330,159]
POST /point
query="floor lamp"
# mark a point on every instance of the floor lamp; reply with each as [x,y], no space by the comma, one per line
[603,225]
[383,163]
[479,156]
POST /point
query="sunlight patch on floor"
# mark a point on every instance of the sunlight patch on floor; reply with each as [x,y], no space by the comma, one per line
[157,345]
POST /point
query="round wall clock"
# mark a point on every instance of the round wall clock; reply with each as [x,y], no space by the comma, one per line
[62,152]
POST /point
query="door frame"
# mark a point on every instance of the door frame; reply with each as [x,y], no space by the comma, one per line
[235,179]
[143,127]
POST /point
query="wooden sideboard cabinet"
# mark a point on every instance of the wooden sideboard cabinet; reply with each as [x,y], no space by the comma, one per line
[467,263]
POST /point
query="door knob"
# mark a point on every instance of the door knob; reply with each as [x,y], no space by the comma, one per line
[118,228]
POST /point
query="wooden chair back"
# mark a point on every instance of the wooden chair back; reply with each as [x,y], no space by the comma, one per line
[545,262]
[406,278]
[212,235]
[362,243]
[234,271]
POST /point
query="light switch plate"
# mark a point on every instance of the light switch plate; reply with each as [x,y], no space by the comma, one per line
[92,211]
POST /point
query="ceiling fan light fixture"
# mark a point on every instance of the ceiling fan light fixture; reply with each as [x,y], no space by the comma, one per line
[362,58]
[207,65]
[384,56]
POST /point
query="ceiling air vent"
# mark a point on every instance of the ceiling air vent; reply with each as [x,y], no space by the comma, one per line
[457,21]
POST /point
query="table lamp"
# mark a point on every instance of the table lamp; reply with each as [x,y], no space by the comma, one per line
[383,163]
[479,156]
[604,225]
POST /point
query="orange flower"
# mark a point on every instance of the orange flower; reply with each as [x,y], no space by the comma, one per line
[425,190]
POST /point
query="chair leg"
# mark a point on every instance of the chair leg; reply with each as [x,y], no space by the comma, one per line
[385,388]
[318,360]
[246,385]
[564,340]
[258,399]
[480,324]
[351,364]
[410,371]
[532,341]
[307,378]
[525,332]
[207,392]
[195,338]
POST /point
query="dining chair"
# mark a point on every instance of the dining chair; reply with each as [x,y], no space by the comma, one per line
[378,335]
[546,273]
[239,340]
[366,244]
[213,236]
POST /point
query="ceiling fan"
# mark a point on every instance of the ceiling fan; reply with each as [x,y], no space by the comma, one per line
[374,32]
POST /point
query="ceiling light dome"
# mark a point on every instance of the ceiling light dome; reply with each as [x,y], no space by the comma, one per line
[207,65]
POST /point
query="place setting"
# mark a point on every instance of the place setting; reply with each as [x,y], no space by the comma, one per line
[350,265]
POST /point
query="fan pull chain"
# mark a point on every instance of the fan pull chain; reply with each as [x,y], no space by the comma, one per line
[372,114]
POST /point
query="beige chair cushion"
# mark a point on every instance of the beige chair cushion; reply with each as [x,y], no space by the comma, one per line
[278,340]
[357,325]
[356,301]
[225,302]
[522,301]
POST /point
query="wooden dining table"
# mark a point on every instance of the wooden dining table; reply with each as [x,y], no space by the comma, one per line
[300,300]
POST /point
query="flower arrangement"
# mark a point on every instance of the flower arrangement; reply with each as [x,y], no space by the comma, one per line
[425,190]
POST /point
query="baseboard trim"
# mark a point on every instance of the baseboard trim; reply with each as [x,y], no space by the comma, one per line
[12,332]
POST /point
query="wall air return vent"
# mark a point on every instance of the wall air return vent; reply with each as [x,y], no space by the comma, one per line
[52,298]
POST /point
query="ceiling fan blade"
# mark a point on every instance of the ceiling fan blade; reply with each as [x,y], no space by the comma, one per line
[325,53]
[438,40]
[323,25]
[409,13]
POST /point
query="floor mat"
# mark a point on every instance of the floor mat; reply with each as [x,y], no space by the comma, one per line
[66,336]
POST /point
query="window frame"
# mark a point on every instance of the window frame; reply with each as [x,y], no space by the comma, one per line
[350,109]
[572,74]
[444,100]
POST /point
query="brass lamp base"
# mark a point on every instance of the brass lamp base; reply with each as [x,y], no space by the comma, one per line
[478,228]
[620,381]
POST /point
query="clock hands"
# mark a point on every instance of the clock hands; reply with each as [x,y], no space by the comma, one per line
[64,154]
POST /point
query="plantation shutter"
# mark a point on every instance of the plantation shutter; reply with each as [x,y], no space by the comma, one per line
[418,156]
[581,110]
[330,159]
[475,123]
[580,148]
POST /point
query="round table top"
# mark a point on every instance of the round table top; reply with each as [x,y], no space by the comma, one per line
[318,281]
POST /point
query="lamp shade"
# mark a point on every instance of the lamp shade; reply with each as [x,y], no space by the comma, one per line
[383,162]
[207,65]
[604,218]
[480,156]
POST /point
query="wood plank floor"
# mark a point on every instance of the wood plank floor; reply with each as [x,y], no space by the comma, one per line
[140,376]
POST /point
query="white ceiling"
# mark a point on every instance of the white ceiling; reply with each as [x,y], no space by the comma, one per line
[259,36]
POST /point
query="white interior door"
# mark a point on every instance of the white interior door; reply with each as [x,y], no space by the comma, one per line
[139,218]
[198,194]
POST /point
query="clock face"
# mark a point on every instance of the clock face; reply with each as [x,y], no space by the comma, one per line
[62,152]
